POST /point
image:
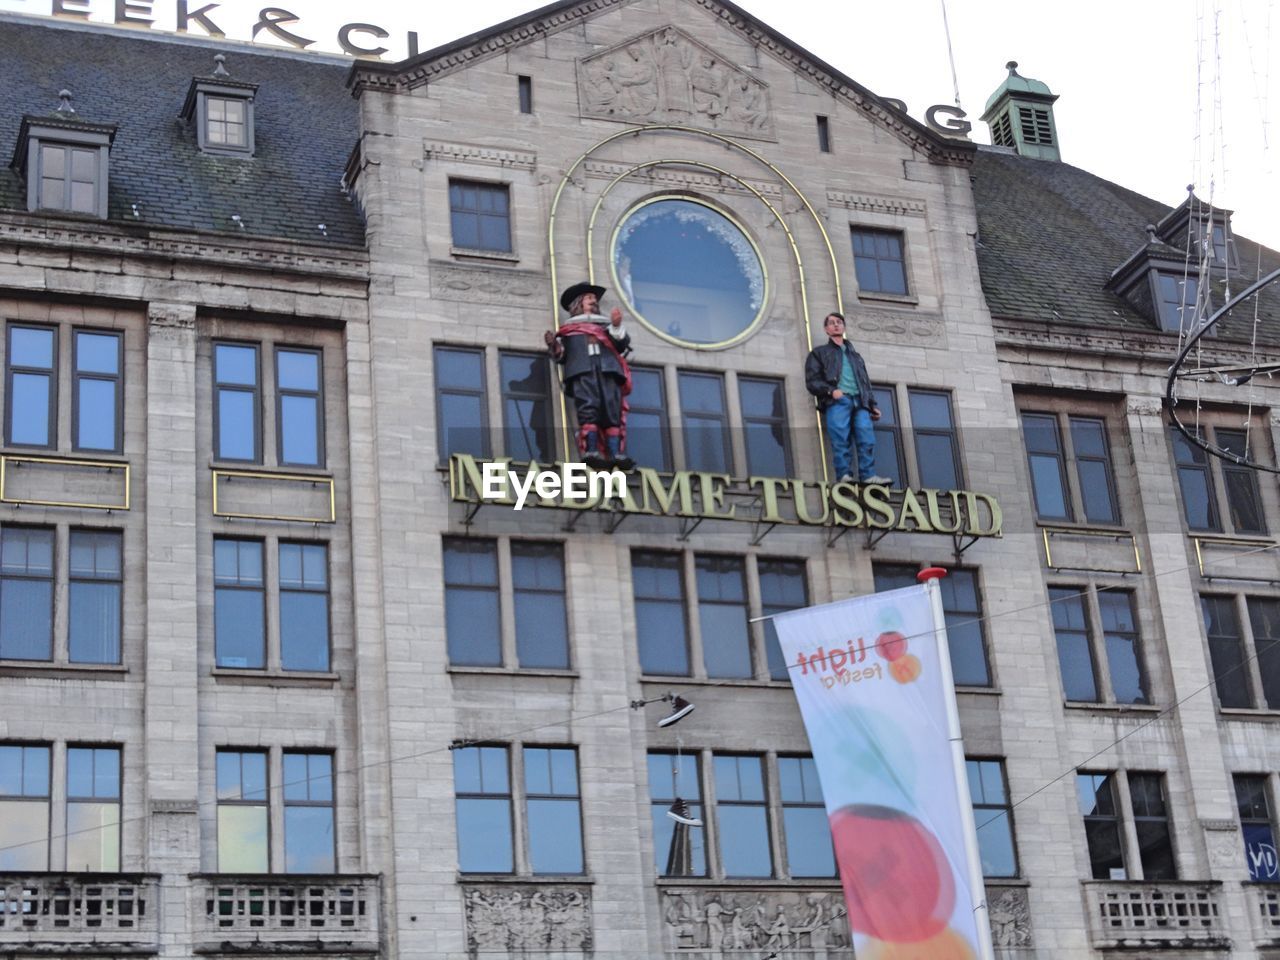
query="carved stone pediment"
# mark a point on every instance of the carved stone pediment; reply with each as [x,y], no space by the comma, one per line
[666,76]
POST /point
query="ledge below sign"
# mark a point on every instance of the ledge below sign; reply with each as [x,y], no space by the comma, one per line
[771,500]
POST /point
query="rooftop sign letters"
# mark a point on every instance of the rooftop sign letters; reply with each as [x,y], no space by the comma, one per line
[697,495]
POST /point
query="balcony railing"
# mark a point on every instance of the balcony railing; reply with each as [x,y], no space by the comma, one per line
[1140,913]
[70,909]
[326,912]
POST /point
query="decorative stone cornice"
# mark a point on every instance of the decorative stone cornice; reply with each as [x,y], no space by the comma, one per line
[477,153]
[1137,345]
[900,206]
[682,178]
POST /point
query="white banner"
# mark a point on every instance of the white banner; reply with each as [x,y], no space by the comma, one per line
[873,680]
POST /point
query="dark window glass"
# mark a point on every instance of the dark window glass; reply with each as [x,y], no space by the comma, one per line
[26,594]
[1120,636]
[878,260]
[764,420]
[783,587]
[554,810]
[648,440]
[1151,821]
[722,615]
[94,596]
[962,606]
[1177,302]
[304,606]
[804,819]
[658,583]
[1226,653]
[236,402]
[471,607]
[1093,469]
[1219,243]
[542,630]
[242,812]
[1075,652]
[1098,805]
[935,436]
[524,87]
[706,425]
[96,411]
[1244,502]
[225,122]
[300,416]
[893,576]
[888,431]
[1264,617]
[993,817]
[824,134]
[526,407]
[24,807]
[1048,466]
[679,850]
[480,215]
[32,386]
[482,784]
[461,421]
[308,813]
[93,809]
[743,817]
[1198,501]
[1256,824]
[239,604]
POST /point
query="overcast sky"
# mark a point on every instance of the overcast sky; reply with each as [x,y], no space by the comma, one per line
[1155,94]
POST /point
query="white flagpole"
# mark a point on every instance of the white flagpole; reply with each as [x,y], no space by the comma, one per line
[978,887]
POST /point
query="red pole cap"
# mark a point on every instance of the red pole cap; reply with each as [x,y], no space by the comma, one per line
[931,573]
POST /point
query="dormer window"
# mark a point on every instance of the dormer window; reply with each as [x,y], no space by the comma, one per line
[64,161]
[1176,297]
[1200,229]
[222,111]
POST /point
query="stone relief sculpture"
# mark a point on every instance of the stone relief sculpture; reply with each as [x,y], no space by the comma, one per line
[506,918]
[668,77]
[727,921]
[1010,915]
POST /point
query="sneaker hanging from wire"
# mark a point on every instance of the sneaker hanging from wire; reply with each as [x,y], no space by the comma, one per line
[680,813]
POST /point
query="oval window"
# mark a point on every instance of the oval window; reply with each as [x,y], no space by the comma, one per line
[688,272]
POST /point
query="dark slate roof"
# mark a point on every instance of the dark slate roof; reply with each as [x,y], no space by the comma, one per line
[1050,235]
[306,124]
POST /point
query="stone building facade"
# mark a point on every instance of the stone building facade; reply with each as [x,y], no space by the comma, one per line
[350,710]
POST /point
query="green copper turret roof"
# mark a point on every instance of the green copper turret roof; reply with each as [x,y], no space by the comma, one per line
[1016,84]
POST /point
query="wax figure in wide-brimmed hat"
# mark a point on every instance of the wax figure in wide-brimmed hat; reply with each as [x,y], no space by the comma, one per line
[593,351]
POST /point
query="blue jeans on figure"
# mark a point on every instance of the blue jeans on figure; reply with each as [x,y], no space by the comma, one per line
[848,428]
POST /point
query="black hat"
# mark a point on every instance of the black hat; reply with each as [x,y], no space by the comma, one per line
[577,290]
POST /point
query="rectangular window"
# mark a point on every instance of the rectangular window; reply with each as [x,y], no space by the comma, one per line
[554,810]
[1151,822]
[679,848]
[239,604]
[225,122]
[26,593]
[962,607]
[480,214]
[526,407]
[1176,304]
[237,401]
[243,842]
[1080,617]
[1075,651]
[722,616]
[764,421]
[94,589]
[1264,620]
[68,178]
[658,582]
[471,604]
[893,576]
[1093,469]
[31,386]
[482,785]
[309,845]
[993,817]
[24,807]
[1254,805]
[648,439]
[743,817]
[461,420]
[93,809]
[1120,639]
[824,134]
[1226,651]
[804,819]
[1199,501]
[542,628]
[524,88]
[878,261]
[1244,502]
[1101,811]
[888,431]
[1048,466]
[937,455]
[96,395]
[706,424]
[304,606]
[783,587]
[299,408]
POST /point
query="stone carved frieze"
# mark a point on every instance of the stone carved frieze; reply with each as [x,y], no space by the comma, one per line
[488,285]
[1010,913]
[683,178]
[883,326]
[732,921]
[503,918]
[668,77]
